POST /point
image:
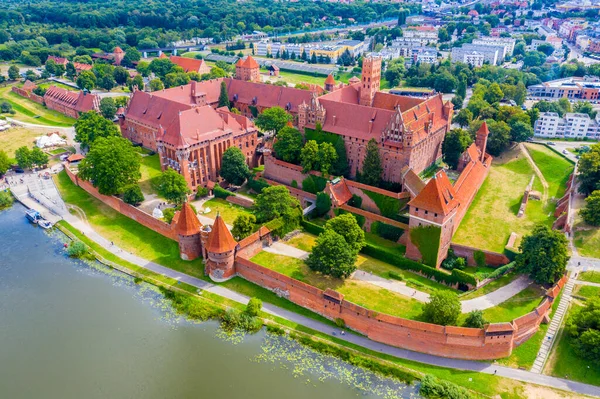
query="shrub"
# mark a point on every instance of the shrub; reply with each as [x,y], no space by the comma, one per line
[253,307]
[475,319]
[323,204]
[501,271]
[431,387]
[6,199]
[311,227]
[340,322]
[395,276]
[77,249]
[220,192]
[168,214]
[314,184]
[234,319]
[443,308]
[133,195]
[355,201]
[386,231]
[294,184]
[453,262]
[257,185]
[479,257]
[202,192]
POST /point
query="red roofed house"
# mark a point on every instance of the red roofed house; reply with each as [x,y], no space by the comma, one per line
[247,70]
[70,103]
[118,55]
[436,212]
[191,64]
[58,60]
[80,67]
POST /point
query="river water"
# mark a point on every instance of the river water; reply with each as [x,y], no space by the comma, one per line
[70,329]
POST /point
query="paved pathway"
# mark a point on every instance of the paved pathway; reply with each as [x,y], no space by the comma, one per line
[279,248]
[391,285]
[496,297]
[581,282]
[481,367]
[555,324]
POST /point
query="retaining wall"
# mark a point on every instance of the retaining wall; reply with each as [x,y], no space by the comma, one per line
[125,209]
[28,94]
[246,203]
[493,259]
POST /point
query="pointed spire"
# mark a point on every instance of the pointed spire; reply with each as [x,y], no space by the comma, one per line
[188,223]
[220,239]
[483,130]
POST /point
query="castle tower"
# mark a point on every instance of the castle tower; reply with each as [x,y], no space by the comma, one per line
[371,77]
[247,70]
[431,220]
[119,54]
[188,233]
[329,83]
[220,252]
[481,139]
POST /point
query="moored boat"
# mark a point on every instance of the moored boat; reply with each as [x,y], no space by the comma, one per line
[32,215]
[44,224]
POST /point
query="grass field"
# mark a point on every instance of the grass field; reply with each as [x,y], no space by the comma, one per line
[587,241]
[497,204]
[555,168]
[16,137]
[124,232]
[30,112]
[295,78]
[565,363]
[587,291]
[57,84]
[227,210]
[591,276]
[358,292]
[517,306]
[150,170]
[492,286]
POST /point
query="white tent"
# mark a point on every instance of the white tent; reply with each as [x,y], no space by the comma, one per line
[157,213]
[50,141]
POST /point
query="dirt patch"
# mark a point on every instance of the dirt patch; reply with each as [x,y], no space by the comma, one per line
[18,136]
[539,392]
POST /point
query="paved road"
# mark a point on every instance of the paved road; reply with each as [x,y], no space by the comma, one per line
[496,297]
[279,248]
[581,282]
[391,285]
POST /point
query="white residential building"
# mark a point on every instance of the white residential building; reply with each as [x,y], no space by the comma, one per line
[506,42]
[424,35]
[473,53]
[573,125]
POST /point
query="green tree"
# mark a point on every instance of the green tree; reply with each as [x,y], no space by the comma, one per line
[309,156]
[223,96]
[273,119]
[585,107]
[176,79]
[50,67]
[91,125]
[590,213]
[253,307]
[332,255]
[544,255]
[455,143]
[4,162]
[274,202]
[131,56]
[60,70]
[475,319]
[583,326]
[443,308]
[233,166]
[498,138]
[86,80]
[156,84]
[71,71]
[347,226]
[589,170]
[108,108]
[13,72]
[138,82]
[111,165]
[120,75]
[38,157]
[133,195]
[323,204]
[243,225]
[143,68]
[161,67]
[464,117]
[327,158]
[493,94]
[520,131]
[23,157]
[172,186]
[341,166]
[288,144]
[461,89]
[371,169]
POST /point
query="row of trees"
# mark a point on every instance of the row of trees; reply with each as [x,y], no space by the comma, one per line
[589,184]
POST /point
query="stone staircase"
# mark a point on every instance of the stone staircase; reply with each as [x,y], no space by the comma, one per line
[555,324]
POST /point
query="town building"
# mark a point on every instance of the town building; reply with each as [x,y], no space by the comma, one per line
[473,52]
[572,125]
[506,42]
[585,88]
[191,64]
[247,70]
[70,103]
[473,58]
[424,35]
[58,60]
[326,52]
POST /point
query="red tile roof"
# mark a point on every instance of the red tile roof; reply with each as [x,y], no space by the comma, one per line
[118,50]
[392,101]
[29,85]
[330,80]
[163,55]
[82,67]
[220,239]
[190,64]
[79,101]
[250,63]
[75,158]
[266,96]
[187,223]
[499,327]
[58,60]
[483,129]
[340,192]
[437,196]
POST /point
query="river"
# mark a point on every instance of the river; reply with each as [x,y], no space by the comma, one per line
[71,329]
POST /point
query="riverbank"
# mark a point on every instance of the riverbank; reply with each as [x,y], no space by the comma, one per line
[478,381]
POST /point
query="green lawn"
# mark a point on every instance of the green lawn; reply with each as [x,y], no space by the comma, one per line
[126,233]
[295,78]
[587,291]
[380,242]
[591,276]
[227,210]
[587,241]
[150,170]
[490,287]
[57,84]
[565,363]
[28,111]
[497,204]
[517,306]
[358,292]
[555,168]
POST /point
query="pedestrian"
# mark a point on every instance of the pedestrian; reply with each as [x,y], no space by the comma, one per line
[495,371]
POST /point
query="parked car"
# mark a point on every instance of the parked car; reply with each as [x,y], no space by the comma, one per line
[550,143]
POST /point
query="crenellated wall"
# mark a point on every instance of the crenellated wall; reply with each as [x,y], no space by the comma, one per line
[493,342]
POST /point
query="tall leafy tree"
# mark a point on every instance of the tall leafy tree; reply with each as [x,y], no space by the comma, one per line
[91,125]
[108,108]
[172,186]
[233,166]
[341,167]
[38,157]
[589,170]
[498,138]
[591,212]
[273,119]
[309,156]
[274,202]
[223,96]
[443,308]
[371,168]
[583,326]
[288,144]
[243,225]
[86,80]
[544,255]
[4,162]
[332,255]
[131,56]
[13,72]
[347,226]
[111,165]
[455,143]
[327,157]
[23,157]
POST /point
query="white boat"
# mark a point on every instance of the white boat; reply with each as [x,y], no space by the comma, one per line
[44,224]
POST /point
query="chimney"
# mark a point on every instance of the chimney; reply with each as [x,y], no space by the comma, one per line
[370,126]
[334,120]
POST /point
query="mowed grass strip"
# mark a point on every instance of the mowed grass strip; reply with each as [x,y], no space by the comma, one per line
[31,112]
[587,241]
[126,233]
[492,216]
[228,211]
[591,276]
[150,170]
[555,168]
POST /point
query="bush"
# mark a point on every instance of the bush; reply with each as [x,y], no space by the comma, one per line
[453,262]
[501,271]
[431,387]
[311,227]
[386,231]
[340,322]
[395,276]
[479,257]
[314,184]
[77,249]
[202,192]
[6,199]
[323,204]
[257,185]
[220,192]
[253,307]
[133,195]
[294,184]
[475,319]
[355,201]
[234,319]
[168,215]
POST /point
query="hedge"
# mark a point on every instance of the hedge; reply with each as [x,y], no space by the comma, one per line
[257,185]
[311,227]
[314,184]
[386,231]
[321,137]
[360,219]
[220,192]
[501,271]
[275,226]
[384,255]
[432,387]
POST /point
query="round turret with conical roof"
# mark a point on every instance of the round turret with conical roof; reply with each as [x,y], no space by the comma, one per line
[220,251]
